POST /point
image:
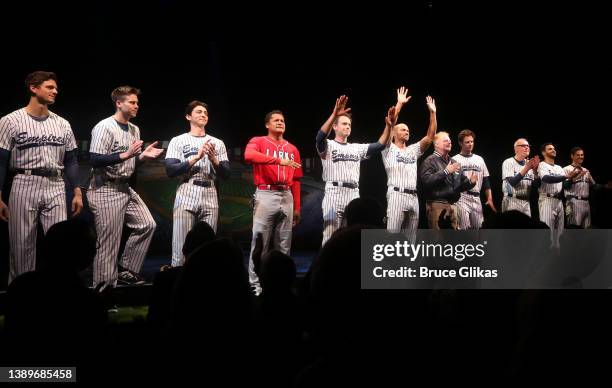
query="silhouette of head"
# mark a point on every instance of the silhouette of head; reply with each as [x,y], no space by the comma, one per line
[364,211]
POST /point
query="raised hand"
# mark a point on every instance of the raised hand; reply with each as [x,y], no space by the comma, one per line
[431,104]
[391,118]
[340,107]
[402,95]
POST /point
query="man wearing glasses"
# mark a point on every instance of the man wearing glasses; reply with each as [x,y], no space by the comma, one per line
[518,173]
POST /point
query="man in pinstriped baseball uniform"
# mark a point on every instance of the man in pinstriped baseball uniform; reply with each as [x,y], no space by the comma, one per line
[199,158]
[518,174]
[469,207]
[39,147]
[115,150]
[400,160]
[277,171]
[577,207]
[342,163]
[551,192]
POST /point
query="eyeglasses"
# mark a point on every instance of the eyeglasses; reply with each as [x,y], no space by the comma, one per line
[522,145]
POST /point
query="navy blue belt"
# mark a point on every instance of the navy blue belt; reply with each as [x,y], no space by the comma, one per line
[523,197]
[474,193]
[118,181]
[344,184]
[406,191]
[556,195]
[201,183]
[46,172]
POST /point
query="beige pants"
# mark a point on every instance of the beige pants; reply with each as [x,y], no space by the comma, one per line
[434,209]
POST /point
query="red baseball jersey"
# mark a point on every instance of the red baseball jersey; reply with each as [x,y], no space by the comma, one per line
[266,159]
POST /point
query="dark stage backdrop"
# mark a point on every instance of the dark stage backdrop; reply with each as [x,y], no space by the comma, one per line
[503,71]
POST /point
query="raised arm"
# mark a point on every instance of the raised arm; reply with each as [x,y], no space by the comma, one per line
[402,99]
[433,125]
[339,110]
[390,121]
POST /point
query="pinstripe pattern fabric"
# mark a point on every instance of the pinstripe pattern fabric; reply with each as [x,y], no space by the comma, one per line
[185,146]
[341,163]
[112,205]
[402,208]
[510,168]
[193,203]
[334,203]
[34,143]
[469,212]
[551,209]
[469,207]
[555,170]
[401,165]
[32,198]
[107,137]
[578,211]
[402,213]
[521,205]
[551,213]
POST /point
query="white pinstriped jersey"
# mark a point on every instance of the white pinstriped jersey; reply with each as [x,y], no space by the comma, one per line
[473,164]
[34,142]
[108,137]
[510,168]
[401,165]
[342,162]
[554,170]
[186,146]
[580,187]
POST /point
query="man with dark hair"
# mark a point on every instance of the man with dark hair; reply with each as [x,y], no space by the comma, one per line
[114,152]
[39,147]
[277,171]
[198,159]
[577,190]
[342,163]
[551,192]
[469,207]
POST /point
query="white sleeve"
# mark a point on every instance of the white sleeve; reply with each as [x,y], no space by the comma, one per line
[222,153]
[174,151]
[485,170]
[101,140]
[7,134]
[507,170]
[70,140]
